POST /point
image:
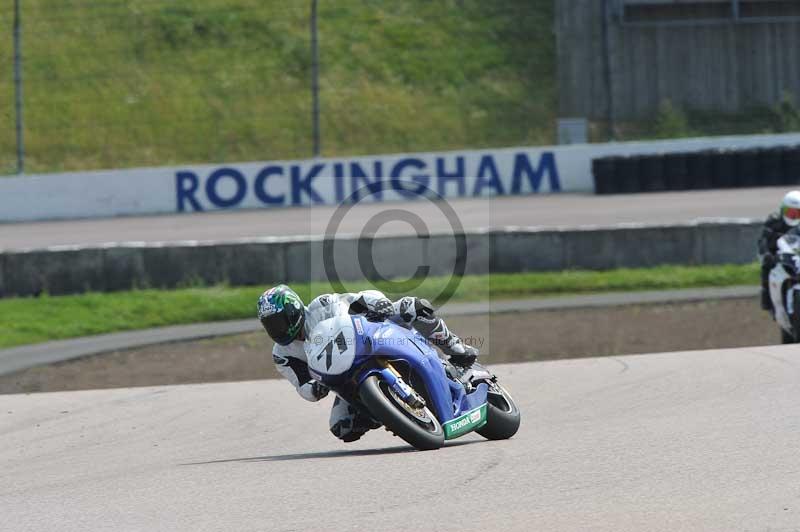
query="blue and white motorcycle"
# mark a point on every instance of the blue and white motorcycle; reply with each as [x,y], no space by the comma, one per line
[396,377]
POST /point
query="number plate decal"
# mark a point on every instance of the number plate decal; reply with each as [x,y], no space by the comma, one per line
[330,348]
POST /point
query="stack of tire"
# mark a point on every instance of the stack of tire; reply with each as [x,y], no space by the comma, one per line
[711,169]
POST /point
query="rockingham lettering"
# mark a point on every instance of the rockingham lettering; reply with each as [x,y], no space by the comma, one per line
[373,179]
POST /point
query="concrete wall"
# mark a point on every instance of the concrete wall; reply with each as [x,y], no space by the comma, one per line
[277,184]
[270,185]
[714,66]
[271,260]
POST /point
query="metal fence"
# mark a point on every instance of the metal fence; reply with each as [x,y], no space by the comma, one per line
[617,63]
[114,83]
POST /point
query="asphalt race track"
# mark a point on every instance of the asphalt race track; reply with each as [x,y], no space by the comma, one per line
[703,441]
[544,211]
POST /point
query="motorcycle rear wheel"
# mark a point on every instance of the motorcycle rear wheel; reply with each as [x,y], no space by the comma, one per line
[791,338]
[502,416]
[419,427]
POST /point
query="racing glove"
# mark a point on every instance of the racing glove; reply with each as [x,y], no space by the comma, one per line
[381,310]
[376,310]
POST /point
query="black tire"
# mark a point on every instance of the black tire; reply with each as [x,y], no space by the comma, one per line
[503,417]
[746,171]
[652,171]
[723,168]
[791,166]
[603,173]
[699,166]
[770,166]
[390,410]
[788,338]
[627,172]
[676,171]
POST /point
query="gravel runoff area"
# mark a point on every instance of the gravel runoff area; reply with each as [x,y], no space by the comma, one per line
[509,337]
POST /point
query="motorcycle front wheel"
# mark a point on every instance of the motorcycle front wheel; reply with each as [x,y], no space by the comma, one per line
[502,416]
[417,426]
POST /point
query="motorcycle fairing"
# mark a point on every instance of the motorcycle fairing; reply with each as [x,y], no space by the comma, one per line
[395,343]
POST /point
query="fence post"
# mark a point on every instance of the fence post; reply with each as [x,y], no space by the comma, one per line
[608,74]
[18,87]
[315,79]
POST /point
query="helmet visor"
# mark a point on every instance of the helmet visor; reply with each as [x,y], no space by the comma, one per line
[791,213]
[278,328]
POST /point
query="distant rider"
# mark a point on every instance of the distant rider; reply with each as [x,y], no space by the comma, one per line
[777,225]
[289,323]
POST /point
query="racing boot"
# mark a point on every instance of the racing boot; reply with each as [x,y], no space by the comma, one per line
[461,354]
[348,422]
[361,425]
[435,330]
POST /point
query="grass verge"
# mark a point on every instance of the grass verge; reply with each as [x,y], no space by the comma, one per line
[148,83]
[117,84]
[33,320]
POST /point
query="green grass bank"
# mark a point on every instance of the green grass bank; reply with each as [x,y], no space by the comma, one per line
[32,320]
[117,84]
[152,82]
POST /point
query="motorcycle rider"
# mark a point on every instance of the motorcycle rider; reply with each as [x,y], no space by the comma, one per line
[777,225]
[289,323]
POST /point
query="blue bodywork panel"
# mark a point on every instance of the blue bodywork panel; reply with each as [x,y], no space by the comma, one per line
[395,343]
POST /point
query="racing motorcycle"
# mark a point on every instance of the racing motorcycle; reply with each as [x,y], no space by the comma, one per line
[395,376]
[784,287]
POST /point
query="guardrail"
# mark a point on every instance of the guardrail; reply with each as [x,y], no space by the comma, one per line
[69,270]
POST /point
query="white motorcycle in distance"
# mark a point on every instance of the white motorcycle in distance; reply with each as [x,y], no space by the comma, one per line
[784,287]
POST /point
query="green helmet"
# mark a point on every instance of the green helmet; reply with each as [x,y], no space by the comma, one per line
[282,314]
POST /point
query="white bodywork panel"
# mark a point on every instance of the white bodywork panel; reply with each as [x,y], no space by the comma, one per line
[331,346]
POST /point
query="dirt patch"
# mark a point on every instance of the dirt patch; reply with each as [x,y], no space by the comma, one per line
[518,337]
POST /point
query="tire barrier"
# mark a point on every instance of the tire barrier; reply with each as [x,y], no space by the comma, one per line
[653,168]
[791,166]
[770,164]
[723,167]
[628,172]
[709,169]
[747,170]
[676,171]
[604,171]
[699,167]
